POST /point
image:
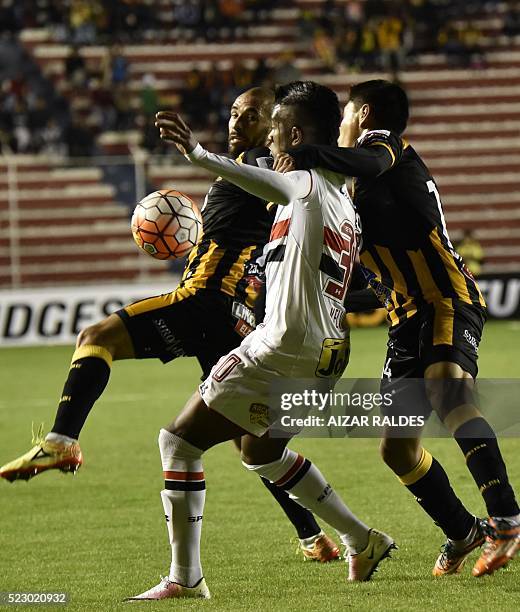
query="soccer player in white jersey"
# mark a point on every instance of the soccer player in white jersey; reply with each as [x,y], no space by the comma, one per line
[308,264]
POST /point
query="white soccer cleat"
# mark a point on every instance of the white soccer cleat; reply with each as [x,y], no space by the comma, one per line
[167,589]
[364,564]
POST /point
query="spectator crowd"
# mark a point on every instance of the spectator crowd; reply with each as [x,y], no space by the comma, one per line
[368,35]
[85,22]
[93,97]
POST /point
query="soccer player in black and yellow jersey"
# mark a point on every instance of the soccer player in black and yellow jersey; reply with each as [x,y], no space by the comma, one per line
[436,313]
[206,316]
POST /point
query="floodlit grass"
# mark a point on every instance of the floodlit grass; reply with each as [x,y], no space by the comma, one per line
[100,536]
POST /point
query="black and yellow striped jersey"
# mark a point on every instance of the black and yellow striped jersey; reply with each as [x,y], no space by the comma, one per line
[406,251]
[235,228]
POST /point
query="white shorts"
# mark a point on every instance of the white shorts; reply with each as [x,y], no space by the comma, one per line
[242,387]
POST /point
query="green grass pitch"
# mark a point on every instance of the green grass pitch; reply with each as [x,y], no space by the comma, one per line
[100,536]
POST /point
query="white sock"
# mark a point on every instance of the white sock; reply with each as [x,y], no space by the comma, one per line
[183,501]
[306,484]
[309,542]
[56,437]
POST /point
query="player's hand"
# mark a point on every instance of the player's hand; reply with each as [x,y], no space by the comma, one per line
[173,129]
[283,163]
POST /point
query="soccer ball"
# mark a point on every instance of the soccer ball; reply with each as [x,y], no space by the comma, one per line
[166,224]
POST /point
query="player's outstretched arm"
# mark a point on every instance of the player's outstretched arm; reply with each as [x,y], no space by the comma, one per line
[349,161]
[265,184]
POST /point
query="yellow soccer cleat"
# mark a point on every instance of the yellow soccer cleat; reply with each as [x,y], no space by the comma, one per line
[452,558]
[43,456]
[167,589]
[501,545]
[322,549]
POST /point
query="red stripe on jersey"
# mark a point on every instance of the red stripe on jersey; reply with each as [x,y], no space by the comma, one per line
[335,241]
[291,472]
[171,475]
[280,229]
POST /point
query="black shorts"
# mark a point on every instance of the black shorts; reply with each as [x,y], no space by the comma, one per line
[186,322]
[447,330]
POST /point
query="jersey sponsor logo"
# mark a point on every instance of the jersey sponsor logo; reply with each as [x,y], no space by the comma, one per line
[259,414]
[241,312]
[333,357]
[243,329]
[471,340]
[171,344]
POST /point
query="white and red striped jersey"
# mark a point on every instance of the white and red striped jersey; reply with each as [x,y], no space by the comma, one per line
[308,261]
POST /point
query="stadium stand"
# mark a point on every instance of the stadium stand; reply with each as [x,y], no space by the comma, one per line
[465,107]
[67,226]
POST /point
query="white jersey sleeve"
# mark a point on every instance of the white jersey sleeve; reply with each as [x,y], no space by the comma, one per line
[265,184]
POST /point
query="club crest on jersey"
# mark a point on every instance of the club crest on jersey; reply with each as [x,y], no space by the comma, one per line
[345,229]
[259,415]
[334,357]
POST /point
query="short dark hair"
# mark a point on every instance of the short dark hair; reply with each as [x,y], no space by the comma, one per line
[388,102]
[316,106]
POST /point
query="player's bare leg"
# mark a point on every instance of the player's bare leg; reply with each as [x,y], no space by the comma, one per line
[449,390]
[314,544]
[97,346]
[182,445]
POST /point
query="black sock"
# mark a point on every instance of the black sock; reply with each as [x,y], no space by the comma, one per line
[433,492]
[302,519]
[87,379]
[480,447]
